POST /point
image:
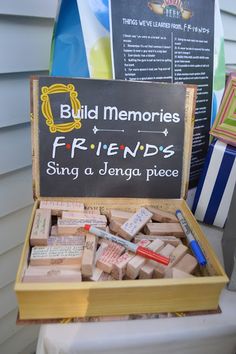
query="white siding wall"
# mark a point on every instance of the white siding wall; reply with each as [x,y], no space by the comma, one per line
[228,12]
[25,38]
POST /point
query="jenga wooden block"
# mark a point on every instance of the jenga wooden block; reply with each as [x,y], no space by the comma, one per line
[134,224]
[85,218]
[105,277]
[136,263]
[160,269]
[51,255]
[100,275]
[88,258]
[146,272]
[66,240]
[187,264]
[96,271]
[57,207]
[119,268]
[176,273]
[167,250]
[172,240]
[119,215]
[126,277]
[56,266]
[92,210]
[51,274]
[162,216]
[109,256]
[161,229]
[101,249]
[178,253]
[76,227]
[41,228]
[114,227]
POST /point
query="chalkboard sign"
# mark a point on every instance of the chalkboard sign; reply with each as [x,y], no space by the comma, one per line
[100,138]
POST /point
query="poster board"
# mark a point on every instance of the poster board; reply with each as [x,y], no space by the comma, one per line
[168,41]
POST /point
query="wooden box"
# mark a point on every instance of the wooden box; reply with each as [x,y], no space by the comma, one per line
[66,300]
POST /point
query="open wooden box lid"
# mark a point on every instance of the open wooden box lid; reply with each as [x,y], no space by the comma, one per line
[132,139]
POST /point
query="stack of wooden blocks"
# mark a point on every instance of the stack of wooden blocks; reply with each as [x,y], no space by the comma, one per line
[63,251]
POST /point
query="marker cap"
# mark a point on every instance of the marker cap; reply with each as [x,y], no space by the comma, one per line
[145,252]
[87,227]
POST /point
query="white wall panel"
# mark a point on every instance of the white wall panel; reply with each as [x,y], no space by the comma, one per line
[228,5]
[21,342]
[24,44]
[15,98]
[13,228]
[25,38]
[42,8]
[15,191]
[8,265]
[30,349]
[230,53]
[7,300]
[15,149]
[8,327]
[229,23]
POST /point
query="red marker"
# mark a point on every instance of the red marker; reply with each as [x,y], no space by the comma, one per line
[139,250]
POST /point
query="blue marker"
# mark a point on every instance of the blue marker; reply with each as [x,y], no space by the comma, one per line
[191,240]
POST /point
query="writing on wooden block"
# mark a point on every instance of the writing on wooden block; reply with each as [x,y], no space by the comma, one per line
[50,255]
[85,218]
[134,224]
[119,268]
[101,249]
[162,216]
[41,227]
[88,258]
[178,253]
[51,274]
[119,215]
[57,207]
[136,263]
[147,269]
[176,273]
[161,229]
[109,256]
[92,210]
[66,240]
[159,271]
[97,273]
[172,240]
[76,227]
[187,264]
